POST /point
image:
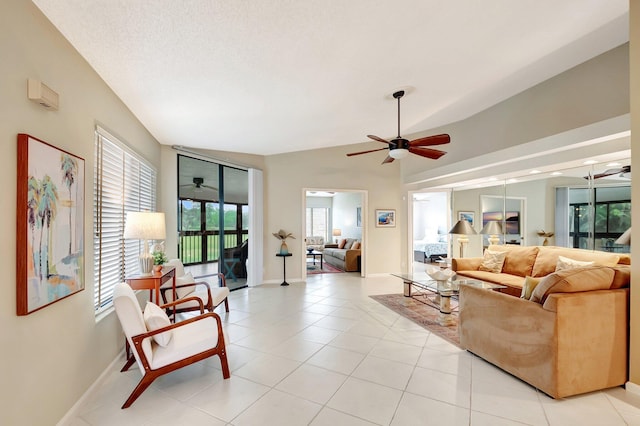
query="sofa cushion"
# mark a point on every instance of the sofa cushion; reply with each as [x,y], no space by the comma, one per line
[622,277]
[342,243]
[567,263]
[492,261]
[350,241]
[491,277]
[356,245]
[573,281]
[547,259]
[519,260]
[528,285]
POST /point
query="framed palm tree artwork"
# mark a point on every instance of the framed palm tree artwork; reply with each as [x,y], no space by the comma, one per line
[50,224]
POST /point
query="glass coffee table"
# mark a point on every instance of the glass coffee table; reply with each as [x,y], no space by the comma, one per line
[438,294]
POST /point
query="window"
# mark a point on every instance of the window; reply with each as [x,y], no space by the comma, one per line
[123,182]
[318,222]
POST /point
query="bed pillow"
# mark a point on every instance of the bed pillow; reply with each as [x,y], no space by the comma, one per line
[155,318]
[567,263]
[492,261]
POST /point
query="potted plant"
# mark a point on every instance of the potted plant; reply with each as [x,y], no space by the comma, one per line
[159,259]
[282,236]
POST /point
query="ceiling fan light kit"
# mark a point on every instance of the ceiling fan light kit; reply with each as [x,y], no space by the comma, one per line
[400,147]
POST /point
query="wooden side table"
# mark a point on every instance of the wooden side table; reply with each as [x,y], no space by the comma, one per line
[284,266]
[154,282]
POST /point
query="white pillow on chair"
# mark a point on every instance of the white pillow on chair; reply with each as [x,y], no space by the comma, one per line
[155,318]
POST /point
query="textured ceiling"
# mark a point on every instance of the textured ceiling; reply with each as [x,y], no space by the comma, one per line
[273,76]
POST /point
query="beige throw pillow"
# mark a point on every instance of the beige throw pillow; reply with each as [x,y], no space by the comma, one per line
[155,318]
[493,261]
[529,285]
[566,263]
[573,281]
[355,245]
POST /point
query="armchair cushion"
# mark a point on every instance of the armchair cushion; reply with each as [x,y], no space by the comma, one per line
[155,318]
[187,341]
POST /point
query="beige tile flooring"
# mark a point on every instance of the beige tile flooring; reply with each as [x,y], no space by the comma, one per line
[324,353]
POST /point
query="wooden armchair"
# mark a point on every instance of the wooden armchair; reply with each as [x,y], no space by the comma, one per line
[160,347]
[187,287]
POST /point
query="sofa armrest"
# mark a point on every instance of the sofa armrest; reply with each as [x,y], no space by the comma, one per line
[351,260]
[330,246]
[466,263]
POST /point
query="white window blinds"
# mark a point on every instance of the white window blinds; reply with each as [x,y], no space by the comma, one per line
[123,182]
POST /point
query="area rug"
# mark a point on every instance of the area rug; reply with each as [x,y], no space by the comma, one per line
[420,313]
[326,268]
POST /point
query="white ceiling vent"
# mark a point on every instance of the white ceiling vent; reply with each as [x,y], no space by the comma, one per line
[39,92]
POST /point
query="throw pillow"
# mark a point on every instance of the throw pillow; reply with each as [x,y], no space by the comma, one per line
[342,243]
[573,281]
[355,245]
[155,318]
[529,285]
[566,263]
[492,261]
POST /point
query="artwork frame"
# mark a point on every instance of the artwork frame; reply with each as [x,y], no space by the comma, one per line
[49,224]
[358,217]
[385,218]
[468,216]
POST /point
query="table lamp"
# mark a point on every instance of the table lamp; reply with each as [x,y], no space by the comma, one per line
[145,226]
[493,229]
[462,228]
[337,233]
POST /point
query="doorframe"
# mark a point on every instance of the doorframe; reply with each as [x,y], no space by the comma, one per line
[364,194]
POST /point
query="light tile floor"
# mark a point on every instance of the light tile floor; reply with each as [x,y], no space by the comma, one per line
[324,353]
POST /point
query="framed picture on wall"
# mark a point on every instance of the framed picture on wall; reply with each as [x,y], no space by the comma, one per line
[359,217]
[385,218]
[50,224]
[468,216]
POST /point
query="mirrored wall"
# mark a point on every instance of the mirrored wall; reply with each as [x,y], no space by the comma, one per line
[586,206]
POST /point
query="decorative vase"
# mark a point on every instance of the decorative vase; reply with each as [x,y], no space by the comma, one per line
[157,268]
[283,248]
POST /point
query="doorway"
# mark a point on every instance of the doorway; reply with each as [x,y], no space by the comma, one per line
[331,216]
[431,221]
[213,219]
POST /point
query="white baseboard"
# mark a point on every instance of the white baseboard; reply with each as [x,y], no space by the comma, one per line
[632,388]
[73,411]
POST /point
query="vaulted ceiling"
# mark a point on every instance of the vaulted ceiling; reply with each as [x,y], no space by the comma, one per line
[274,76]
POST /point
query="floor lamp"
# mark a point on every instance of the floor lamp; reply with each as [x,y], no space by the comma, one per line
[145,226]
[462,229]
[493,229]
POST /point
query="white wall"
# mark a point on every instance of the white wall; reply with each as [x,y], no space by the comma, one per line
[50,357]
[344,214]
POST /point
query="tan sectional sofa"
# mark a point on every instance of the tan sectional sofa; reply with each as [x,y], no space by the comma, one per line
[534,261]
[346,258]
[570,338]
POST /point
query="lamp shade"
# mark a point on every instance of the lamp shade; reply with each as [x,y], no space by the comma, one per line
[625,238]
[492,227]
[145,226]
[463,228]
[337,232]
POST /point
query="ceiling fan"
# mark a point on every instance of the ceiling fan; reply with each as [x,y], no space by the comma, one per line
[198,184]
[400,147]
[623,172]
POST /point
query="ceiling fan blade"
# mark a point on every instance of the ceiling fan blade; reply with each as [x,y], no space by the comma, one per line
[431,140]
[365,152]
[611,172]
[389,159]
[376,138]
[427,152]
[209,187]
